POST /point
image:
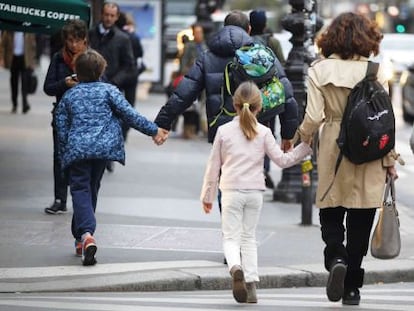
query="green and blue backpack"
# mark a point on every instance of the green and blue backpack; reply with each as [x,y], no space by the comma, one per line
[255,63]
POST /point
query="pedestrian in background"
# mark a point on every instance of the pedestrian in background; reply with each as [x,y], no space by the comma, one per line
[19,56]
[258,23]
[235,166]
[126,24]
[60,78]
[192,116]
[357,190]
[89,133]
[115,46]
[192,48]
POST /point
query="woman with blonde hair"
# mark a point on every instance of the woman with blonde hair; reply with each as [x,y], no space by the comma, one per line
[235,166]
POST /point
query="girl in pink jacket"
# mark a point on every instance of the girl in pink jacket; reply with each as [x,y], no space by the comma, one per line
[235,166]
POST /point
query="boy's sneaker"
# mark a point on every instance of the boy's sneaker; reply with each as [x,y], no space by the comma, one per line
[57,207]
[78,248]
[89,249]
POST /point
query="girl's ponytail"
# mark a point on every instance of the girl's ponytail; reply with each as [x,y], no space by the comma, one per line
[247,101]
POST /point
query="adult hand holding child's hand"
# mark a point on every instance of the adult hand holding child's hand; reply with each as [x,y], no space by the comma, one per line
[161,136]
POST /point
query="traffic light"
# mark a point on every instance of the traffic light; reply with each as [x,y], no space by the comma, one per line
[400,28]
[401,25]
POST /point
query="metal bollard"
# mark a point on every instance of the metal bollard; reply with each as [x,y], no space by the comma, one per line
[306,168]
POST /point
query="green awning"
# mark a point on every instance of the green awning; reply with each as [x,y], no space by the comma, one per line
[41,16]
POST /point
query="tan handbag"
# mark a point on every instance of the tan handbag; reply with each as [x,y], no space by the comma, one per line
[386,240]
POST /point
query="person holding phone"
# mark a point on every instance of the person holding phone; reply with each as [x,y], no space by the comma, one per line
[61,77]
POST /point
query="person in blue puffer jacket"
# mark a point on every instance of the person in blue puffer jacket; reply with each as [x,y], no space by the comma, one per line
[88,122]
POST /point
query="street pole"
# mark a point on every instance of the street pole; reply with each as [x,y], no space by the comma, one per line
[298,183]
[96,11]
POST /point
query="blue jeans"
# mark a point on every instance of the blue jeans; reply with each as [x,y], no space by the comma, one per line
[84,180]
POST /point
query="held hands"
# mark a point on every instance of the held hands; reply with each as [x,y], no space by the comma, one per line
[207,207]
[299,136]
[160,137]
[286,145]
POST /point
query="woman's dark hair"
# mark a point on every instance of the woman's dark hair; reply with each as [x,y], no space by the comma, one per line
[89,66]
[76,28]
[122,20]
[350,35]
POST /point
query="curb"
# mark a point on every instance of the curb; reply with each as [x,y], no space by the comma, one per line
[202,275]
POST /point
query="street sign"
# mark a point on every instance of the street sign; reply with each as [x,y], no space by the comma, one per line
[41,16]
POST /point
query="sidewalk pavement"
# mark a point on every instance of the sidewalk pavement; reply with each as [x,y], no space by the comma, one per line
[164,244]
[180,276]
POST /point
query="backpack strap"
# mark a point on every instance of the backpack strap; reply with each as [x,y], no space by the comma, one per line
[338,161]
[227,79]
[372,70]
[222,108]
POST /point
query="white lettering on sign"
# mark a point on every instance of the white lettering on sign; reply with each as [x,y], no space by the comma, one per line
[36,12]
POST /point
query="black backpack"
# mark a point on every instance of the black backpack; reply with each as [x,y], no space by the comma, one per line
[368,124]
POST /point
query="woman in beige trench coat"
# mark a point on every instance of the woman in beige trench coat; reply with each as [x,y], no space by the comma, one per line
[357,189]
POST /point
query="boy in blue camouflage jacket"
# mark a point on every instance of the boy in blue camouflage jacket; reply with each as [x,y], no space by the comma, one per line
[90,134]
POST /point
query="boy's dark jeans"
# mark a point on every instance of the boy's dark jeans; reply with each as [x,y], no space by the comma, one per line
[85,180]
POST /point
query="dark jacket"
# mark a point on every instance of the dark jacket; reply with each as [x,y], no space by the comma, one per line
[116,48]
[267,39]
[207,73]
[55,84]
[88,123]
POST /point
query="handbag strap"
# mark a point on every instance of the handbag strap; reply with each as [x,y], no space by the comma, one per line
[390,189]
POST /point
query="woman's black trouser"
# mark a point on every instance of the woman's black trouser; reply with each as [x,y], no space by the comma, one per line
[358,225]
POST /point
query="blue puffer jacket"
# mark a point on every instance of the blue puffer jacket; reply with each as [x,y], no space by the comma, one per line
[207,73]
[88,123]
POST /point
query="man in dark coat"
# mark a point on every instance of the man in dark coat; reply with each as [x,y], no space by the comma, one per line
[115,46]
[207,74]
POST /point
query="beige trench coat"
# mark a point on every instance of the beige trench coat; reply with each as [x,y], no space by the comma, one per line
[354,186]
